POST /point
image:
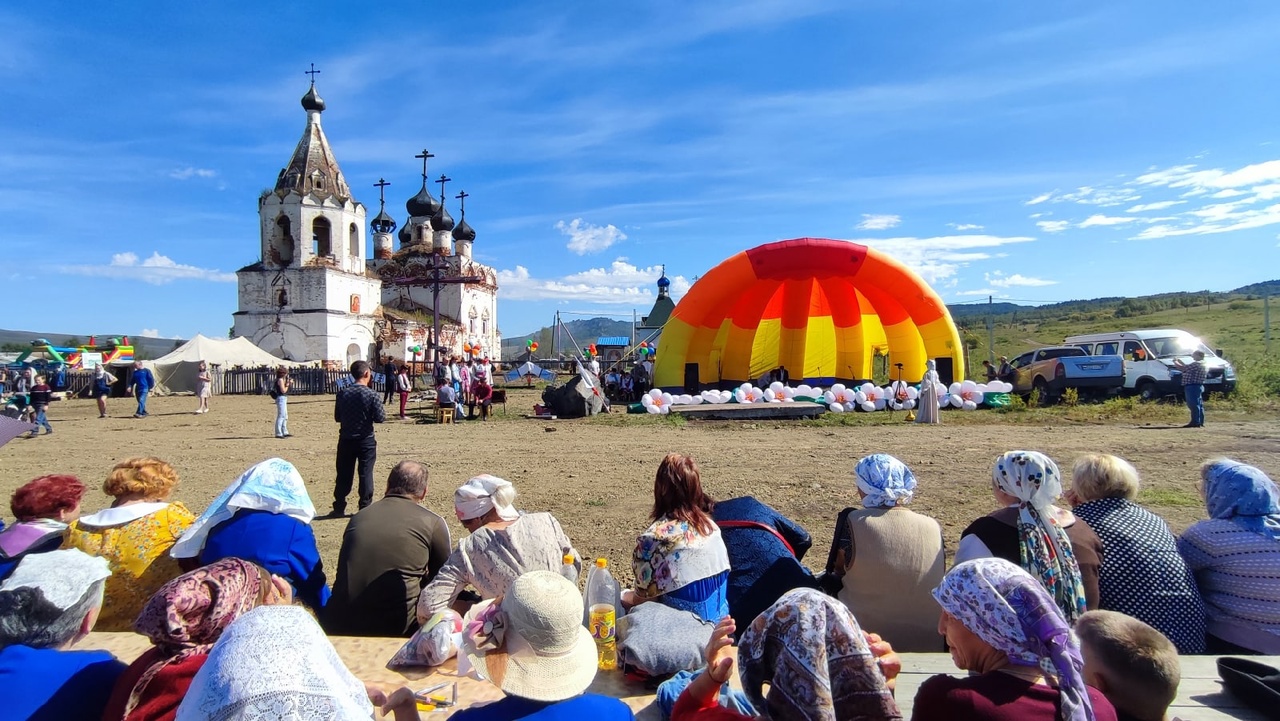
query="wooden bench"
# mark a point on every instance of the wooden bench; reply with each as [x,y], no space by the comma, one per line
[1201,696]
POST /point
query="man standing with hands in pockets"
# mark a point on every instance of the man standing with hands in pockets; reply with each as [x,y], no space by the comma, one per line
[356,408]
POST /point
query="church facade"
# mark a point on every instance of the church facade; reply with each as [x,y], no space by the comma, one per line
[316,295]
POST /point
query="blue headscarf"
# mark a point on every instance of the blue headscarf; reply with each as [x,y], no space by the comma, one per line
[1242,494]
[886,480]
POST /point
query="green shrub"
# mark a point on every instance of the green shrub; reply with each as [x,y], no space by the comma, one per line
[1071,397]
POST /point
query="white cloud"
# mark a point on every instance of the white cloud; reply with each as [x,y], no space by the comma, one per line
[940,258]
[156,270]
[982,291]
[1089,195]
[620,283]
[1161,205]
[873,221]
[1040,198]
[149,333]
[1053,226]
[1000,280]
[1228,193]
[1186,176]
[587,238]
[1104,220]
[965,226]
[189,172]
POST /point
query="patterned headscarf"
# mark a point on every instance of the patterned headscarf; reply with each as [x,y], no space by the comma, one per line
[810,650]
[273,485]
[1033,478]
[274,663]
[1004,606]
[672,554]
[886,480]
[1244,495]
[188,614]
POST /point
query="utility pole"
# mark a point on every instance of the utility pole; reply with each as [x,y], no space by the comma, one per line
[1266,322]
[991,331]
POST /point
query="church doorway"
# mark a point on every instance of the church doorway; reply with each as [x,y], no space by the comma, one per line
[353,354]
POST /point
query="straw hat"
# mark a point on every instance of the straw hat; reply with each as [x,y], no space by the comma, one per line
[542,652]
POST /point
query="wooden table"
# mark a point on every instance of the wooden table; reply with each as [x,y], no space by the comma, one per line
[1200,696]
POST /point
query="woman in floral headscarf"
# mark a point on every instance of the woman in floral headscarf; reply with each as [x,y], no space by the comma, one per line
[1049,542]
[813,655]
[1023,661]
[265,517]
[888,557]
[183,620]
[1235,556]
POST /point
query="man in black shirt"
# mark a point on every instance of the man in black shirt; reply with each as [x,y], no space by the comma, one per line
[356,408]
[388,380]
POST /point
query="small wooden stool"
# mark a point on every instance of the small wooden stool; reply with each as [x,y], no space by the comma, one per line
[445,415]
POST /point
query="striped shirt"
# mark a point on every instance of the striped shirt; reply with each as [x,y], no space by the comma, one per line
[1238,572]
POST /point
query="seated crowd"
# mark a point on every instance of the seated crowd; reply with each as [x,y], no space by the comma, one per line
[1073,612]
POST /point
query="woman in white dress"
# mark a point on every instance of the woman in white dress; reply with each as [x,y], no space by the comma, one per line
[204,388]
[928,399]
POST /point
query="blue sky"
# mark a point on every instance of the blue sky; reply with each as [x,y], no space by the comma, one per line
[1031,151]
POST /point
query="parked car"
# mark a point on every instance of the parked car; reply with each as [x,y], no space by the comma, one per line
[1149,356]
[1047,372]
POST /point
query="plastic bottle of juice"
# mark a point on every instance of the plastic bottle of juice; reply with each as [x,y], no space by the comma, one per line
[567,570]
[602,594]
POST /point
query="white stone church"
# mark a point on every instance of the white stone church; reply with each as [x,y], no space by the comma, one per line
[316,295]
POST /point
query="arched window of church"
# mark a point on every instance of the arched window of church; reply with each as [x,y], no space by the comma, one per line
[353,241]
[321,244]
[473,325]
[282,242]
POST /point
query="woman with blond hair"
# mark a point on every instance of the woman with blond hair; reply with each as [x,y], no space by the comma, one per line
[204,388]
[1142,574]
[134,535]
[681,560]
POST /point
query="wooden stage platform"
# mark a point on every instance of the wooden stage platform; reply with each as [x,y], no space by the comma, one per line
[751,411]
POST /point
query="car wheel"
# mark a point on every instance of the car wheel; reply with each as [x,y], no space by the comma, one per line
[1147,391]
[1043,396]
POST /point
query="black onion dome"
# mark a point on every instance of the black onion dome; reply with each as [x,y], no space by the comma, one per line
[312,101]
[422,205]
[464,231]
[406,235]
[442,220]
[383,223]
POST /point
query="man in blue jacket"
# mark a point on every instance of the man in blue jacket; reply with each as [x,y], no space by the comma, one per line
[141,383]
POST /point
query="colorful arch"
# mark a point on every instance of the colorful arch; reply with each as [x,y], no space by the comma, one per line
[822,308]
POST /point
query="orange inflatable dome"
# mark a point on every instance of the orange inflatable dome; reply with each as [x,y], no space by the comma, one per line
[822,308]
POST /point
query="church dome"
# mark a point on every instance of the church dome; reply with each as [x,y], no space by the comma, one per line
[442,220]
[663,282]
[312,101]
[383,223]
[422,205]
[464,231]
[406,235]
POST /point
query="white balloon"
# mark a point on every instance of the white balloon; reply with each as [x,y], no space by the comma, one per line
[970,405]
[954,388]
[770,394]
[867,406]
[776,387]
[955,400]
[655,393]
[646,400]
[835,407]
[653,409]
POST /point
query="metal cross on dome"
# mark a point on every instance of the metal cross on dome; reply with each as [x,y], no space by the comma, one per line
[442,180]
[462,201]
[312,72]
[381,186]
[424,155]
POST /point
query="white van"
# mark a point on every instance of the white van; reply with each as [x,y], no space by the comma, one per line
[1148,360]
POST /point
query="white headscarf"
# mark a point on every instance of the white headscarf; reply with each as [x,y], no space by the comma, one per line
[477,496]
[274,663]
[62,576]
[273,485]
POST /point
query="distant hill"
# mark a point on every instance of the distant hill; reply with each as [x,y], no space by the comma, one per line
[144,348]
[584,331]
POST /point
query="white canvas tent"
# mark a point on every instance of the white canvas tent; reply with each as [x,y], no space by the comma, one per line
[176,372]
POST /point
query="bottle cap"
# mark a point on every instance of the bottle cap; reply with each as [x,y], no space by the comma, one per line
[568,559]
[602,563]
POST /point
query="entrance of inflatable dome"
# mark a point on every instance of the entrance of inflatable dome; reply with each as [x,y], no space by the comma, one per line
[820,308]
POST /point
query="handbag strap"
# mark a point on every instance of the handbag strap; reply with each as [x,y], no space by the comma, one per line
[759,525]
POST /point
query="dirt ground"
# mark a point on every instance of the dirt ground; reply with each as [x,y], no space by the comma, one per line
[596,475]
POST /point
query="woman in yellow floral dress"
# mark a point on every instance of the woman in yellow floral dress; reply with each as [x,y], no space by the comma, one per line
[134,535]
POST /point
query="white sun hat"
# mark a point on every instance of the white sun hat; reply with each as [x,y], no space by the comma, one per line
[531,642]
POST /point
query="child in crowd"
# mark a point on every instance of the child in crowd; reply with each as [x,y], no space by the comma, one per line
[41,395]
[1131,663]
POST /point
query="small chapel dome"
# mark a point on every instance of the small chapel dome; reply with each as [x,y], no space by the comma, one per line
[464,232]
[663,282]
[441,220]
[406,234]
[422,205]
[383,223]
[312,101]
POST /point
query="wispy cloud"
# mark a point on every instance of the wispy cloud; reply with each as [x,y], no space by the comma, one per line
[1160,205]
[156,270]
[964,226]
[874,221]
[1042,198]
[621,283]
[941,257]
[587,238]
[998,279]
[1104,220]
[189,172]
[1053,226]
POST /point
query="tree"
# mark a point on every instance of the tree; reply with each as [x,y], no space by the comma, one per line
[72,341]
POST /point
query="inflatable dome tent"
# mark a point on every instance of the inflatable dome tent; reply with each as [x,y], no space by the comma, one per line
[821,308]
